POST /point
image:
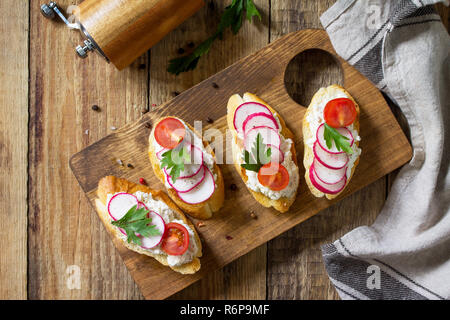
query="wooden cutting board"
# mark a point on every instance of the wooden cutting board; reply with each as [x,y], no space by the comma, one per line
[384,146]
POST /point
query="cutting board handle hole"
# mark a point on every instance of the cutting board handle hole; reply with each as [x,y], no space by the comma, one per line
[310,70]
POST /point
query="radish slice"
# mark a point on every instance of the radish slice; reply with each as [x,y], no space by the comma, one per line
[246,109]
[320,137]
[324,187]
[142,205]
[196,154]
[202,192]
[276,154]
[153,241]
[189,171]
[327,175]
[259,119]
[160,153]
[120,204]
[330,160]
[269,136]
[187,184]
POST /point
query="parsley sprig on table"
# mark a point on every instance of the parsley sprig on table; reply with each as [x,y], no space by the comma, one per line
[135,221]
[259,156]
[174,161]
[231,18]
[341,142]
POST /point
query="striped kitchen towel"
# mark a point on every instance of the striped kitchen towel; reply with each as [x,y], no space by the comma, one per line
[403,48]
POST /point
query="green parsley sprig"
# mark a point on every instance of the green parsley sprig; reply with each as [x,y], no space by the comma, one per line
[341,142]
[174,161]
[231,18]
[260,155]
[136,221]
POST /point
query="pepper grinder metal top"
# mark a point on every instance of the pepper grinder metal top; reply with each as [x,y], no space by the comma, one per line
[51,10]
[122,30]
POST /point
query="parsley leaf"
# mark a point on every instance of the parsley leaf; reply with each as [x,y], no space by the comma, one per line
[231,18]
[135,221]
[174,161]
[260,155]
[252,11]
[331,134]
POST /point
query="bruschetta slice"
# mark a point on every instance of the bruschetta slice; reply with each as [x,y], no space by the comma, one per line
[187,167]
[331,138]
[263,151]
[148,222]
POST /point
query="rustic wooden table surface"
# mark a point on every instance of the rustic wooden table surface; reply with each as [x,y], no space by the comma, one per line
[46,94]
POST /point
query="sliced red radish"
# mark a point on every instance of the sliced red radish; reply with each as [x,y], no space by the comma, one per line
[153,241]
[187,184]
[246,109]
[327,175]
[142,205]
[160,153]
[276,154]
[324,187]
[330,160]
[269,136]
[120,204]
[320,137]
[196,154]
[189,171]
[260,119]
[202,192]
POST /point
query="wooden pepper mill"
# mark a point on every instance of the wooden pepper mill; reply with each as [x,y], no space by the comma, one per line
[122,30]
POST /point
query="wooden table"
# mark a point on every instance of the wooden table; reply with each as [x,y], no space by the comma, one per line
[46,97]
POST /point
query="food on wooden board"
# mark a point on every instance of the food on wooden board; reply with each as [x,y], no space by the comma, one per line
[263,151]
[186,165]
[331,138]
[148,222]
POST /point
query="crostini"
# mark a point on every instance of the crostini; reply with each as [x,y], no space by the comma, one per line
[148,222]
[331,138]
[263,151]
[187,167]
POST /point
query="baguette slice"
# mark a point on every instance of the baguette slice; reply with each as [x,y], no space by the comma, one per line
[202,210]
[307,134]
[111,185]
[282,204]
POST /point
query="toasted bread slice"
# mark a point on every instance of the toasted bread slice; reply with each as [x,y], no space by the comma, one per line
[112,185]
[307,134]
[282,204]
[202,210]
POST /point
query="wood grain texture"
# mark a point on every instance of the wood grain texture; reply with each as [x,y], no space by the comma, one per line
[13,149]
[246,277]
[262,73]
[103,274]
[63,230]
[444,12]
[124,30]
[295,264]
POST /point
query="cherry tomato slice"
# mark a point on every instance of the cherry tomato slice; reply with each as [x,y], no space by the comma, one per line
[340,112]
[169,133]
[176,239]
[274,176]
